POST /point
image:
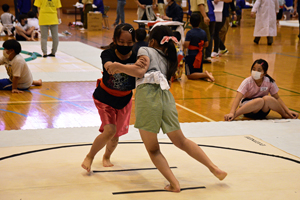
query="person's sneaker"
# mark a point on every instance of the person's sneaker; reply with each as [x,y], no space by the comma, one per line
[222,52]
[207,60]
[214,54]
[51,55]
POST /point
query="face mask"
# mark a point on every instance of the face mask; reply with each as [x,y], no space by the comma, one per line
[166,2]
[255,75]
[124,50]
[6,55]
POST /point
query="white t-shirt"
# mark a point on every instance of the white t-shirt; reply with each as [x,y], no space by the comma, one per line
[250,90]
[25,27]
[7,18]
[33,22]
[18,67]
[157,71]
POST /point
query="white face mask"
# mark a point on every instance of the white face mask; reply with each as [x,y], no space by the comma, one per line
[255,75]
[5,54]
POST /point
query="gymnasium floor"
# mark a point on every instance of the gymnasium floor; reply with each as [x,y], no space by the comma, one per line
[39,127]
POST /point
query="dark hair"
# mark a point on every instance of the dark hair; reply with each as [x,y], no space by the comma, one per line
[264,64]
[140,34]
[157,33]
[5,7]
[118,31]
[195,20]
[12,44]
[31,14]
[177,35]
[21,17]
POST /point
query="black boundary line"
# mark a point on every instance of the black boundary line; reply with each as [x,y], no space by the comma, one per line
[211,146]
[125,170]
[145,191]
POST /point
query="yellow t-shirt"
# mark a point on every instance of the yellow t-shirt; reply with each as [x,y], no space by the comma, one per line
[195,5]
[48,11]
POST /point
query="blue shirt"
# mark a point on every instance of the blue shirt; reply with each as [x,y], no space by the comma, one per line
[195,36]
[175,12]
[211,13]
[24,6]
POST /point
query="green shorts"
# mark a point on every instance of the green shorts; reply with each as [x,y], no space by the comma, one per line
[154,109]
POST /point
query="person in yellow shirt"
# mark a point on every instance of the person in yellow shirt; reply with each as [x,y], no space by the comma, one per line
[49,17]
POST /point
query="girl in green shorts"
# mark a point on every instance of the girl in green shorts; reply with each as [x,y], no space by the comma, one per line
[155,105]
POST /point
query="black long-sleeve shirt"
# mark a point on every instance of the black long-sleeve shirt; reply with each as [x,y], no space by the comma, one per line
[175,12]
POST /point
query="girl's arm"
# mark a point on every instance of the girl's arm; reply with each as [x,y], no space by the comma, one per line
[230,116]
[292,114]
[15,81]
[137,69]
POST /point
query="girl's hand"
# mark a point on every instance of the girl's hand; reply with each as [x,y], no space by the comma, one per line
[252,14]
[141,62]
[229,117]
[293,115]
[113,68]
[16,91]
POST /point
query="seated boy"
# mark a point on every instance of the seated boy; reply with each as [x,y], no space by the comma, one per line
[20,77]
[195,41]
[140,36]
[7,20]
[23,32]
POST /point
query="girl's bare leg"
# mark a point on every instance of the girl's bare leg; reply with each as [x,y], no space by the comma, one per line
[254,106]
[152,146]
[110,147]
[191,148]
[272,104]
[37,82]
[204,75]
[100,141]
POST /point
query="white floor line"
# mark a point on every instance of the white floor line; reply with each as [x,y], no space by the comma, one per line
[194,112]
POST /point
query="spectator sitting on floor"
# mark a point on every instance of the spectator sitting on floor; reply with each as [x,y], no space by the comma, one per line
[23,32]
[7,20]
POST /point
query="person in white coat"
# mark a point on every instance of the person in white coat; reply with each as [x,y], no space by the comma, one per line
[265,22]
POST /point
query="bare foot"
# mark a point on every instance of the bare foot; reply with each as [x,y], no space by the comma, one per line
[106,162]
[219,174]
[38,82]
[87,163]
[172,189]
[210,76]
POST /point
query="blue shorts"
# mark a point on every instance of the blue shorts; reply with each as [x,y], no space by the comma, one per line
[6,84]
[189,68]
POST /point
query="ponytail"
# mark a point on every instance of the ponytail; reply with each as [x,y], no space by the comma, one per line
[169,49]
[264,64]
[171,55]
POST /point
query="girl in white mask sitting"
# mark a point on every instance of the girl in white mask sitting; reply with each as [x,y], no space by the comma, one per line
[253,99]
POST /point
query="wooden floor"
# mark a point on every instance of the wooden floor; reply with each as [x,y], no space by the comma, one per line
[49,106]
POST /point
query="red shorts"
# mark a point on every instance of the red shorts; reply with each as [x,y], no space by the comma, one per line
[118,117]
